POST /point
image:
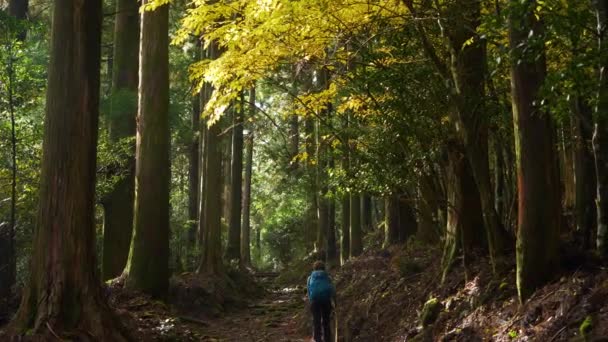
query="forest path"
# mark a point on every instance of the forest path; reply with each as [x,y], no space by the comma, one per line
[274,317]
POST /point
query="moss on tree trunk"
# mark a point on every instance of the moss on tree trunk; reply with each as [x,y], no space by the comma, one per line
[147,269]
[537,173]
[118,204]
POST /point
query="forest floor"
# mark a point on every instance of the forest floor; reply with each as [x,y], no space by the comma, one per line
[384,295]
[272,315]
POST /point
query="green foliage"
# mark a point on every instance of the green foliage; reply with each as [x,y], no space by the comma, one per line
[22,73]
[120,101]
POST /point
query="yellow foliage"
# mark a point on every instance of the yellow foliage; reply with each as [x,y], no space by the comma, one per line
[257,37]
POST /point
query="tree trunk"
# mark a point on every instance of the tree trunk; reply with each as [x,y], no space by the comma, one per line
[193,172]
[211,258]
[311,216]
[427,207]
[407,220]
[194,161]
[63,293]
[600,134]
[322,200]
[584,172]
[294,141]
[19,9]
[332,248]
[118,204]
[345,238]
[205,95]
[233,249]
[538,180]
[566,163]
[391,220]
[464,230]
[211,261]
[148,266]
[246,228]
[356,234]
[345,243]
[499,178]
[468,74]
[321,172]
[366,212]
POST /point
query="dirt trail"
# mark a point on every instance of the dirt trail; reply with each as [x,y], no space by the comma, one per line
[271,318]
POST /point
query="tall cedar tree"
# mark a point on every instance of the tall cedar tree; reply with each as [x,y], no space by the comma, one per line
[233,249]
[63,292]
[311,150]
[356,234]
[193,170]
[148,266]
[600,135]
[246,227]
[391,220]
[118,204]
[537,174]
[203,133]
[464,226]
[345,200]
[211,228]
[466,74]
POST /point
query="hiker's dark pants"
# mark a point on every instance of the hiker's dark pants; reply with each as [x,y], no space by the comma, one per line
[321,318]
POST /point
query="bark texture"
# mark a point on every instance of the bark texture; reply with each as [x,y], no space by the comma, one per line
[391,220]
[193,171]
[537,173]
[468,74]
[118,204]
[233,249]
[356,233]
[345,237]
[584,172]
[211,260]
[332,248]
[63,293]
[246,227]
[148,265]
[211,198]
[464,231]
[408,226]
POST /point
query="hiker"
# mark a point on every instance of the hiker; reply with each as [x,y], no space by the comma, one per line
[321,294]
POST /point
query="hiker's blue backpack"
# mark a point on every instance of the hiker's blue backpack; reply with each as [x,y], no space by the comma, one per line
[320,287]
